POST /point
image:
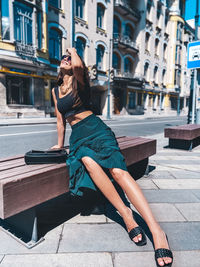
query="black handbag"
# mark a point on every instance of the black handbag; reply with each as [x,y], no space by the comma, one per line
[45,157]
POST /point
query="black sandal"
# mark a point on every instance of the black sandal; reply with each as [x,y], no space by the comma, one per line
[136,231]
[161,253]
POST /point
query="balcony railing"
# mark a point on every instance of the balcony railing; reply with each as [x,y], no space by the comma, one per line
[125,40]
[126,5]
[24,49]
[128,75]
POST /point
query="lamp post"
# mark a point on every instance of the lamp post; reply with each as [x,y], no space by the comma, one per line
[192,99]
[108,106]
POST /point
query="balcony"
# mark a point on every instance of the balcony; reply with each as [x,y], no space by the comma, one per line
[124,41]
[128,76]
[126,8]
[24,50]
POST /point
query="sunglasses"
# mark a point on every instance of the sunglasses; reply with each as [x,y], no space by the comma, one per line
[65,56]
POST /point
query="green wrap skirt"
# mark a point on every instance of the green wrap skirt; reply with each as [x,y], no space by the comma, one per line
[93,138]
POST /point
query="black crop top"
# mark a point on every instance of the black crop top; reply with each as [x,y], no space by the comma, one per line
[65,104]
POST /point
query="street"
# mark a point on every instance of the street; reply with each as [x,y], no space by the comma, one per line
[18,139]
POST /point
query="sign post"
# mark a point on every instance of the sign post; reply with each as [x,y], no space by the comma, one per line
[193,62]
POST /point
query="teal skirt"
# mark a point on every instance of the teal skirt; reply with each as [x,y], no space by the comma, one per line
[93,138]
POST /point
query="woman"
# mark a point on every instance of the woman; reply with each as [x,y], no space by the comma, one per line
[93,148]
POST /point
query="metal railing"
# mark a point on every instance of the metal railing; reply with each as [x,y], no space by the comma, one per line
[127,74]
[124,39]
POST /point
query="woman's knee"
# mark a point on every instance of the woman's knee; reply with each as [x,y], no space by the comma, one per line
[117,173]
[88,162]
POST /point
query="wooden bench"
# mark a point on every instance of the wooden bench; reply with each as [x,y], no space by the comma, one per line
[183,136]
[23,187]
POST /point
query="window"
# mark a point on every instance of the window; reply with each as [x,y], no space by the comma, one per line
[147,37]
[55,44]
[166,17]
[159,10]
[128,65]
[146,70]
[23,23]
[5,23]
[39,29]
[18,90]
[156,46]
[100,16]
[80,4]
[129,31]
[116,26]
[80,47]
[116,61]
[149,4]
[132,99]
[164,76]
[100,57]
[155,74]
[55,3]
[165,51]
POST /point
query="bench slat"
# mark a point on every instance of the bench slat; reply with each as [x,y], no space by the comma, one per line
[184,132]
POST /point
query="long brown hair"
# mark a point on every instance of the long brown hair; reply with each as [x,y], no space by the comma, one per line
[82,96]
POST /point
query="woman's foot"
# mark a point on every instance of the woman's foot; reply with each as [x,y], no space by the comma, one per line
[131,223]
[160,242]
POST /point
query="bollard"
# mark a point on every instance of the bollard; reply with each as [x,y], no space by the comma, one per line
[198,116]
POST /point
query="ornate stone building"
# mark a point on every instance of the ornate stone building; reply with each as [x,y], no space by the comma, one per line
[33,36]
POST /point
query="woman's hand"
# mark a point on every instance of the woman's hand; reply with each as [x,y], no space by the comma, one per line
[56,147]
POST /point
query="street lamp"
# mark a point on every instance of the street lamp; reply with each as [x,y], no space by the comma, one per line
[108,106]
[192,99]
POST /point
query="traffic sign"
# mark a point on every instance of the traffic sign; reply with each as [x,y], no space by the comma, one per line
[193,55]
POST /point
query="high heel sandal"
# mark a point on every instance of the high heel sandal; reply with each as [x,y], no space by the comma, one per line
[136,231]
[161,253]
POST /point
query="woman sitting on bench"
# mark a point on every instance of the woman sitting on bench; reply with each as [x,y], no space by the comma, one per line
[93,148]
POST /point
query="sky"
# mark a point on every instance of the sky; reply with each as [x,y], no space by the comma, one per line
[190,9]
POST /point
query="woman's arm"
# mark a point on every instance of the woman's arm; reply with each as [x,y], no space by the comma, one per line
[77,65]
[61,124]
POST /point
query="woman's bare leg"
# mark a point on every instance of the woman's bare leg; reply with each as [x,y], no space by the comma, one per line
[102,181]
[136,197]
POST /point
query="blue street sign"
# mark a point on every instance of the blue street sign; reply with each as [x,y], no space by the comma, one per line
[193,55]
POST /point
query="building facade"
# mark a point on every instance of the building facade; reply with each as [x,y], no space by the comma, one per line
[33,36]
[153,75]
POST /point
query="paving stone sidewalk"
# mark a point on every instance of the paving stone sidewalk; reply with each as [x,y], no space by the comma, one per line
[173,191]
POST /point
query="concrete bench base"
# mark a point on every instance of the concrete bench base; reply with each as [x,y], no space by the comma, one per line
[23,227]
[184,144]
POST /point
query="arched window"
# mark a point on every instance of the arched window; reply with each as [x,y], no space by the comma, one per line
[55,44]
[80,4]
[100,15]
[146,70]
[155,74]
[129,31]
[80,47]
[100,56]
[165,51]
[156,46]
[147,37]
[116,26]
[164,76]
[128,65]
[116,61]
